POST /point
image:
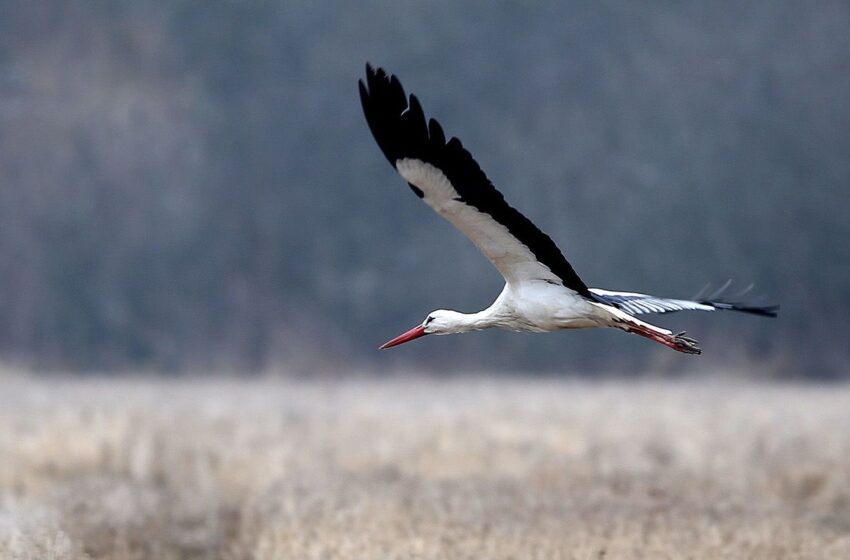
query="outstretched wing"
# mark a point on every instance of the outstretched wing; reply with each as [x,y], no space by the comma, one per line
[638,304]
[448,179]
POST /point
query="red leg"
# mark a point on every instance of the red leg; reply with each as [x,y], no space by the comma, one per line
[678,342]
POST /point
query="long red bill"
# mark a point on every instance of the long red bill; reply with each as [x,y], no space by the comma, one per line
[412,334]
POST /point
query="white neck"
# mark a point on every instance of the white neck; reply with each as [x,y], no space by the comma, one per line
[483,319]
[450,322]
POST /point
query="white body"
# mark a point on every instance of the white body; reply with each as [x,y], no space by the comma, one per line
[542,291]
[533,298]
[536,306]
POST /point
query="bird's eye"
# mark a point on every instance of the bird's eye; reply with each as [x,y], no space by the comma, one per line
[428,319]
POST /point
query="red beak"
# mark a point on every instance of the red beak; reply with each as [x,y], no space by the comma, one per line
[413,333]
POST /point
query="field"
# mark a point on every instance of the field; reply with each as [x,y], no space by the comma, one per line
[417,468]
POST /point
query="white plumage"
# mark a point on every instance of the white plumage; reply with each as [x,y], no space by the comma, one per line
[512,258]
[542,291]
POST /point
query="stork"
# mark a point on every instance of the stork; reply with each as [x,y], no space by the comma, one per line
[542,291]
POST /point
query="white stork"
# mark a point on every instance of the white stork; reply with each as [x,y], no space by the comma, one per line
[542,291]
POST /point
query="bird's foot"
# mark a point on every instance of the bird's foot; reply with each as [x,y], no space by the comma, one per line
[678,342]
[683,343]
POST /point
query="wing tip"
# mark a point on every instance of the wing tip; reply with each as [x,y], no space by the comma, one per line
[771,311]
[400,128]
[735,303]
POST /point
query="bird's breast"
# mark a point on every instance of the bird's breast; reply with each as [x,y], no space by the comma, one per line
[543,307]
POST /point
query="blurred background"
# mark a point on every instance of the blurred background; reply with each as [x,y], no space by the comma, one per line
[190,186]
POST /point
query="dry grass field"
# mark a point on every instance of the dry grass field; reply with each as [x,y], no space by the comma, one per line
[417,468]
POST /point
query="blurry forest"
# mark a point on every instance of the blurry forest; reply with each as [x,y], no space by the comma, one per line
[188,185]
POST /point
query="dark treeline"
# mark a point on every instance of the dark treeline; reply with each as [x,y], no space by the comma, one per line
[188,185]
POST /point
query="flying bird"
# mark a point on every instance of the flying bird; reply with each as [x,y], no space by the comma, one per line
[542,290]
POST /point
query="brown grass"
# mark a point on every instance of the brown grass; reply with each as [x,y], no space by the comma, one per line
[424,469]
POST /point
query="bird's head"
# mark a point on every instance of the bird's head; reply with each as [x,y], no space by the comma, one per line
[441,321]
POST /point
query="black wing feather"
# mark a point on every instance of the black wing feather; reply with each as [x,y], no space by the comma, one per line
[401,131]
[637,304]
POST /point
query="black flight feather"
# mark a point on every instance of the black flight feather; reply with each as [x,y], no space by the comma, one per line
[401,131]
